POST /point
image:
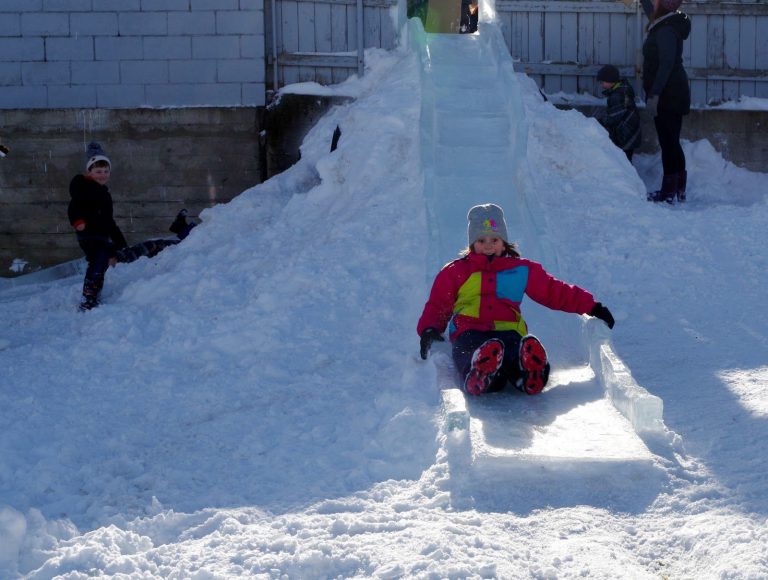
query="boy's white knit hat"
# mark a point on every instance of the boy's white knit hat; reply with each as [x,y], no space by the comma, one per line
[486,220]
[95,153]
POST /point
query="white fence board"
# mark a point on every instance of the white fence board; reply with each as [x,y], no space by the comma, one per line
[316,40]
[372,27]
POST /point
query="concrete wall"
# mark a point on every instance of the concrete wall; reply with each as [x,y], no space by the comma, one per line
[163,160]
[131,53]
[287,121]
[741,137]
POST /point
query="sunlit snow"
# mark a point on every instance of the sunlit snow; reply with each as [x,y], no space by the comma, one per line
[251,403]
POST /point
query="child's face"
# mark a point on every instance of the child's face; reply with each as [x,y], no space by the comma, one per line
[100,174]
[606,85]
[488,245]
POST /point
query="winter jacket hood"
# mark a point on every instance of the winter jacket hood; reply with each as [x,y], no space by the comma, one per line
[678,20]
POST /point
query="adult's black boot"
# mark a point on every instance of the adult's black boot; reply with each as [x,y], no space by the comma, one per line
[668,189]
[682,181]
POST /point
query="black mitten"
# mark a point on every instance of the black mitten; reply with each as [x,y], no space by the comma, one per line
[429,336]
[601,312]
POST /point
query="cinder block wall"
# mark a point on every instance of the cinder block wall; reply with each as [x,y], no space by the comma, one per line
[131,53]
[163,160]
[174,89]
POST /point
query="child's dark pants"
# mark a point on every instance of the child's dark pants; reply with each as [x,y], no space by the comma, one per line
[466,344]
[97,254]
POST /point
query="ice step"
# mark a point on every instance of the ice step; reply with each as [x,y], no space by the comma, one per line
[453,48]
[479,131]
[593,432]
[450,161]
[469,100]
[459,192]
[564,423]
[455,76]
[565,446]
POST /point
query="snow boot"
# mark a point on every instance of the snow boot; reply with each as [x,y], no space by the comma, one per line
[534,366]
[180,227]
[668,189]
[88,303]
[682,182]
[486,362]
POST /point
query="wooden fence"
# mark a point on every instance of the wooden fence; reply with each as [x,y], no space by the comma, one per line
[563,43]
[318,40]
[560,43]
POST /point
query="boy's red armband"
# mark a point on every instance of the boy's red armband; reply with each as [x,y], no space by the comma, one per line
[79,225]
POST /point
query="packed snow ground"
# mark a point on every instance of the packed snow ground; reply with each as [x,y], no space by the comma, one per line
[250,403]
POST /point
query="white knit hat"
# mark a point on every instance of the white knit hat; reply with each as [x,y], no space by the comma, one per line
[95,153]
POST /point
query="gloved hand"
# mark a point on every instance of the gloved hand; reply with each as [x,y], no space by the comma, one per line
[429,336]
[601,312]
[652,106]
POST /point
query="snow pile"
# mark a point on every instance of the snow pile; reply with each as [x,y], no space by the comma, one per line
[250,402]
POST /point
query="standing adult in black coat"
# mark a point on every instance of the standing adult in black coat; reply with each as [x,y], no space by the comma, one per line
[667,94]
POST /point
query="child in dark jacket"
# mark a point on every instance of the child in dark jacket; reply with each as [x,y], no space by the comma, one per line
[478,298]
[90,213]
[621,117]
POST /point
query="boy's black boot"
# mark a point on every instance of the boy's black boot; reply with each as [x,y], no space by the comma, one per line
[180,227]
[180,223]
[668,189]
[88,302]
[682,182]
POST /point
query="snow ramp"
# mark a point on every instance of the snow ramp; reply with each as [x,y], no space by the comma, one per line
[583,438]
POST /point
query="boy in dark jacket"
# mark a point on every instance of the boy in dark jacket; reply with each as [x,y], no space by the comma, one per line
[90,213]
[621,117]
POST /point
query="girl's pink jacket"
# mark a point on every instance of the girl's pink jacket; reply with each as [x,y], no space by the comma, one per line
[475,293]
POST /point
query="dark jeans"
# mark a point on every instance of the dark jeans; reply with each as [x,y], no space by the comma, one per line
[668,127]
[149,248]
[466,344]
[97,254]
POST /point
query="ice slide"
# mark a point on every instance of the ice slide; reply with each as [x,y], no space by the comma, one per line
[588,427]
